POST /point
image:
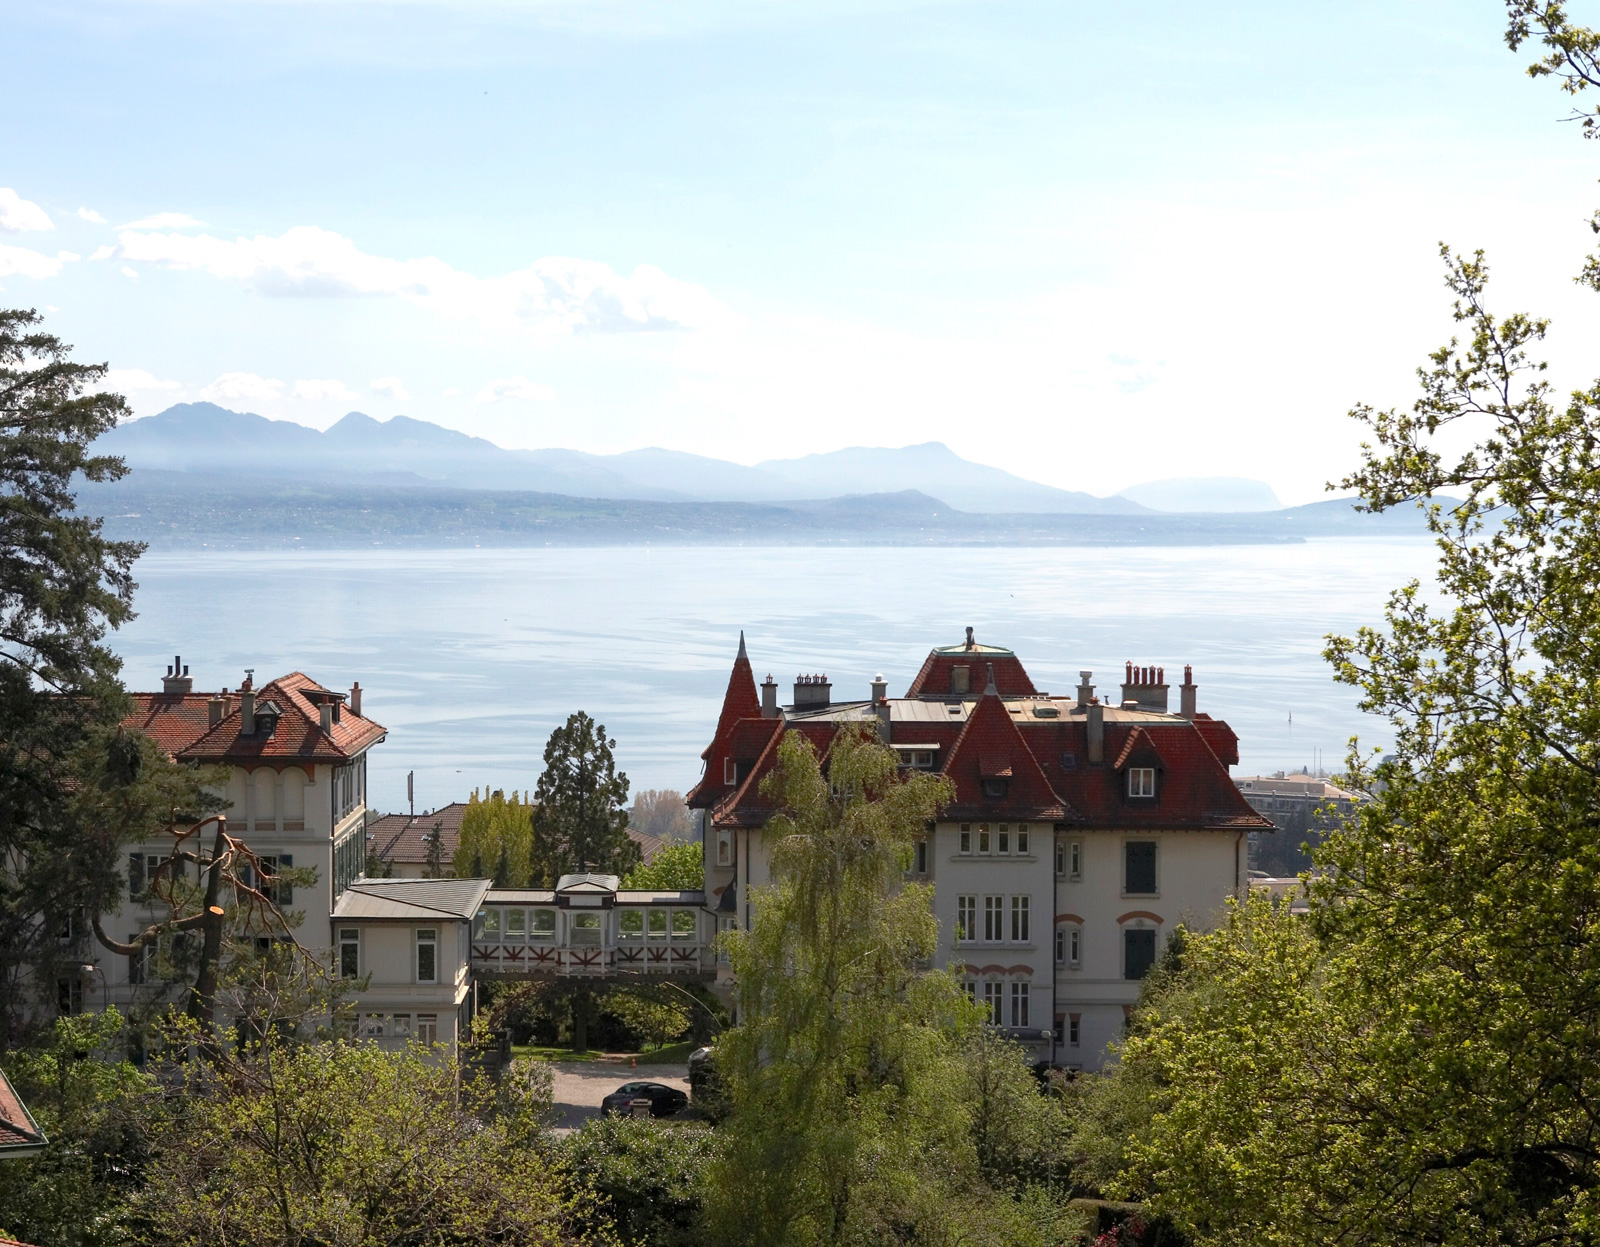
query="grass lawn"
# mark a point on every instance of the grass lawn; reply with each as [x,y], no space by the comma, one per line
[672,1054]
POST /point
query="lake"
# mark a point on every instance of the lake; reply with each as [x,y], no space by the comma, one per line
[470,657]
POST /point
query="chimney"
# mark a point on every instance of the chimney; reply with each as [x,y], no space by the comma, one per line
[880,688]
[971,644]
[1085,689]
[880,706]
[325,716]
[1146,687]
[216,708]
[355,699]
[177,682]
[1186,693]
[247,710]
[769,697]
[1097,732]
[812,692]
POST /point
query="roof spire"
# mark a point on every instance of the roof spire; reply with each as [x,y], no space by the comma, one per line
[989,689]
[741,653]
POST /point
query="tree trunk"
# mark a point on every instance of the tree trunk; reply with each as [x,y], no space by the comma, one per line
[202,1000]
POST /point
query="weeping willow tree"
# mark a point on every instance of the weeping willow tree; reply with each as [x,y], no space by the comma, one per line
[844,1069]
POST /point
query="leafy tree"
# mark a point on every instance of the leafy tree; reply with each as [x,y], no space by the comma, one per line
[1417,1062]
[62,585]
[679,867]
[98,1112]
[346,1143]
[655,1017]
[840,1072]
[580,817]
[646,1175]
[495,829]
[660,812]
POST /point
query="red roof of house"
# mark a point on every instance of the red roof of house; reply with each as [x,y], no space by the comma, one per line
[1010,677]
[299,736]
[19,1133]
[180,724]
[1037,745]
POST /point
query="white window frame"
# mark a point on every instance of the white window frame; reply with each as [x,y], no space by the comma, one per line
[985,844]
[730,771]
[964,840]
[1002,840]
[1021,904]
[967,918]
[428,1029]
[1074,1029]
[349,937]
[1141,781]
[1020,993]
[1022,839]
[994,919]
[724,848]
[426,937]
[994,1002]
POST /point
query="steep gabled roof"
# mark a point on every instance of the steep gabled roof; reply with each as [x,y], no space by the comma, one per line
[298,737]
[991,748]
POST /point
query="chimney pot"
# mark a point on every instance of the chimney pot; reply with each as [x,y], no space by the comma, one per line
[1085,689]
[1187,694]
[177,682]
[970,642]
[355,699]
[769,697]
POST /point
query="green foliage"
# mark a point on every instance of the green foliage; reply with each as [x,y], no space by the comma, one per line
[496,833]
[679,867]
[844,1128]
[345,1143]
[646,1176]
[1414,1062]
[62,586]
[580,817]
[655,1018]
[97,1110]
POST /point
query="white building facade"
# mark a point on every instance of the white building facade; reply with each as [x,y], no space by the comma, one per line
[1082,833]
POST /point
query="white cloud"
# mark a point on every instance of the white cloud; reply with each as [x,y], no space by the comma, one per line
[556,294]
[19,214]
[391,387]
[128,272]
[317,391]
[21,262]
[451,391]
[103,253]
[516,387]
[164,220]
[138,381]
[236,385]
[89,214]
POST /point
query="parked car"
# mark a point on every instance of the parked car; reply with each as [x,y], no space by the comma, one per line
[664,1100]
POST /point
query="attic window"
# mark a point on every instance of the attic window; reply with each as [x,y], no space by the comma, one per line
[730,771]
[996,788]
[1069,761]
[1141,781]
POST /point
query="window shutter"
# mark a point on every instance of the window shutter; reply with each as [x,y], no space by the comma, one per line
[1140,873]
[1139,949]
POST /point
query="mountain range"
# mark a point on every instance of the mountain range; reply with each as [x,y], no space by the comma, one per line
[202,437]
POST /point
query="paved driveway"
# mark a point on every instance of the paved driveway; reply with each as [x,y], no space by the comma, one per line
[581,1085]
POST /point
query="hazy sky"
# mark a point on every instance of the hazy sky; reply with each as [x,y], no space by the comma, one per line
[1091,243]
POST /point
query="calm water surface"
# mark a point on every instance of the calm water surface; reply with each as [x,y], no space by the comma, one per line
[470,657]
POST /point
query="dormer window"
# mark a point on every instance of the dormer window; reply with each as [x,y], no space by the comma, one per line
[996,789]
[1141,781]
[730,771]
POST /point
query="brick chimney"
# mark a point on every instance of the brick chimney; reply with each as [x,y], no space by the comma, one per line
[1187,693]
[1147,687]
[177,682]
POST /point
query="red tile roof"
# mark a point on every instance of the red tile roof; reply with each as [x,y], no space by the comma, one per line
[299,736]
[19,1133]
[1010,677]
[180,724]
[1051,778]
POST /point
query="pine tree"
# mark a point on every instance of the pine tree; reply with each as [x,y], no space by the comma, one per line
[580,816]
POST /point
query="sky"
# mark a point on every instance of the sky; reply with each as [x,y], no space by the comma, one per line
[1091,244]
